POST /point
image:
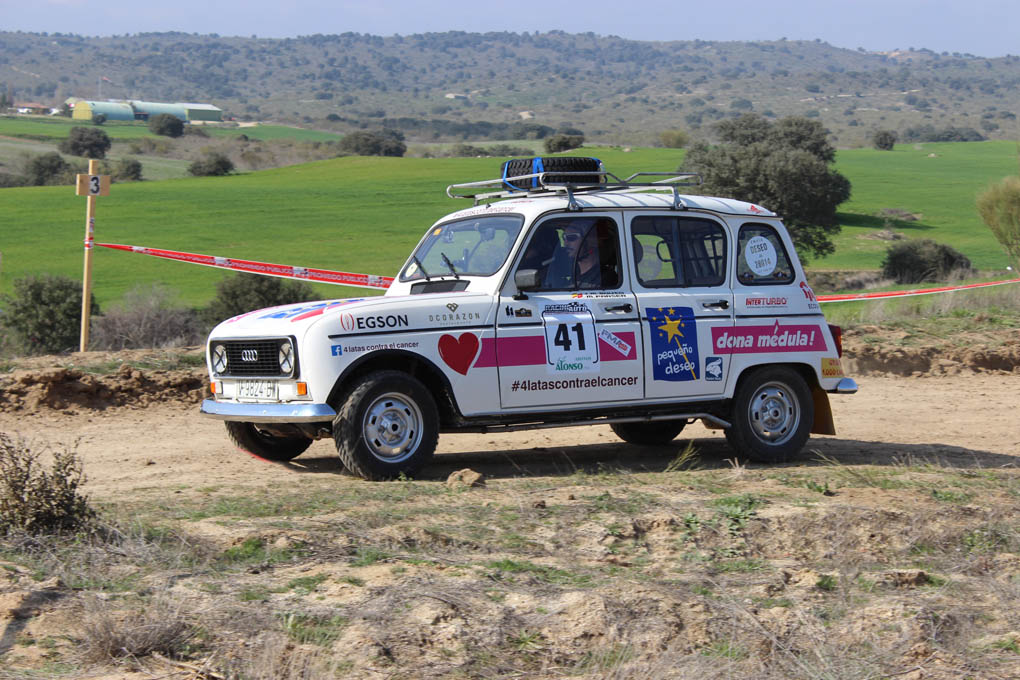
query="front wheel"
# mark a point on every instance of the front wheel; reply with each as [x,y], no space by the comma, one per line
[772,415]
[264,444]
[387,425]
[654,433]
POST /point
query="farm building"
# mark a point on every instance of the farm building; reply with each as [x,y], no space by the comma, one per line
[85,110]
[203,112]
[146,110]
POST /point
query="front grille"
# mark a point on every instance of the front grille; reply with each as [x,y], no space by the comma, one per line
[248,358]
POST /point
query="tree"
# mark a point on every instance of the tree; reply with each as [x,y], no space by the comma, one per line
[382,143]
[999,207]
[45,312]
[674,139]
[47,168]
[558,143]
[246,292]
[212,164]
[86,142]
[883,140]
[783,166]
[166,125]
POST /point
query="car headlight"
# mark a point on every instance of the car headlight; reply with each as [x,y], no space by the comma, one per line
[219,359]
[286,358]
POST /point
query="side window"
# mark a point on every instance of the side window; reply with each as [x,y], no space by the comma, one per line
[574,253]
[678,252]
[761,257]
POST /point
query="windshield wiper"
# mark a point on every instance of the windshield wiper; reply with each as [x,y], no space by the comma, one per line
[449,264]
[414,258]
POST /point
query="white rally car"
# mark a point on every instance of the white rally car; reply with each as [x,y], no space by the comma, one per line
[561,299]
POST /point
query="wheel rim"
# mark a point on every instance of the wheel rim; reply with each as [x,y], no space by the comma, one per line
[774,413]
[392,427]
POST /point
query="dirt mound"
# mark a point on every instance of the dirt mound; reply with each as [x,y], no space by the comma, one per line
[872,350]
[65,388]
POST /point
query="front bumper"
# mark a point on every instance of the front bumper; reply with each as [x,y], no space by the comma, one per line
[268,413]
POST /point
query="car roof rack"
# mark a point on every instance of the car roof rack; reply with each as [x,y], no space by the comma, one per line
[559,182]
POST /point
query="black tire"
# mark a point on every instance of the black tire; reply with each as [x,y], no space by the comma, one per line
[649,434]
[516,167]
[261,443]
[772,415]
[386,426]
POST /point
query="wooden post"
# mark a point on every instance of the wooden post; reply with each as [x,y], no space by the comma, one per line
[86,288]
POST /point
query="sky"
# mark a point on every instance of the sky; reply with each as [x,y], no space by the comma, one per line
[987,28]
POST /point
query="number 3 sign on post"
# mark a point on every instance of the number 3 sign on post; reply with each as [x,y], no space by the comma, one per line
[91,185]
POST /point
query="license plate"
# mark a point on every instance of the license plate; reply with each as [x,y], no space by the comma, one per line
[256,389]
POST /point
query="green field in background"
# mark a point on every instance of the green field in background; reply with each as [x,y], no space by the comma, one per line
[365,214]
[57,128]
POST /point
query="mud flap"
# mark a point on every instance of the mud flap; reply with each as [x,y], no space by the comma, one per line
[823,412]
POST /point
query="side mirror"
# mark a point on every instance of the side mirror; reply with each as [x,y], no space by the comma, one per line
[527,279]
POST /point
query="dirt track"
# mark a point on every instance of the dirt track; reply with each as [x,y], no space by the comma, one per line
[961,421]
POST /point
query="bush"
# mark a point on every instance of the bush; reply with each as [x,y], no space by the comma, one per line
[381,143]
[247,292]
[45,313]
[999,207]
[558,143]
[147,317]
[923,260]
[35,501]
[47,168]
[674,139]
[213,164]
[128,170]
[883,140]
[86,142]
[99,119]
[166,125]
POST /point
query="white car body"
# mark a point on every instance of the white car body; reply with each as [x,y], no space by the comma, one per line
[495,357]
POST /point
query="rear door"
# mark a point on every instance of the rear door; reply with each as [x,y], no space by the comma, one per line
[681,280]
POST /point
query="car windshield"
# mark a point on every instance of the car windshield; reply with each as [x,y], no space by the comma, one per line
[475,247]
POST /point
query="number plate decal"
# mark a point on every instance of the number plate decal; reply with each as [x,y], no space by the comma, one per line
[570,341]
[257,389]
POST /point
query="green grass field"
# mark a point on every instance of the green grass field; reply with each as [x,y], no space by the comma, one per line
[54,129]
[365,214]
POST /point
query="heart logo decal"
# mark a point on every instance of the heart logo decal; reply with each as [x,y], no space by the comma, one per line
[459,353]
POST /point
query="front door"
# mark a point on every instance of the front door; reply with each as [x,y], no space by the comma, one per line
[576,340]
[681,280]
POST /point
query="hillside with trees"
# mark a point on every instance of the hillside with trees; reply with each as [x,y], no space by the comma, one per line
[473,86]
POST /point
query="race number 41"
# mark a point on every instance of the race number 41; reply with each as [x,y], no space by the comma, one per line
[570,341]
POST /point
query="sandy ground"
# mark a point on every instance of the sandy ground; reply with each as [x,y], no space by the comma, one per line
[960,421]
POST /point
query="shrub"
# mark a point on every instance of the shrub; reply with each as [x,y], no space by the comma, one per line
[999,207]
[45,313]
[246,292]
[35,501]
[128,169]
[86,142]
[99,119]
[47,168]
[211,165]
[9,180]
[674,139]
[920,260]
[381,143]
[166,125]
[147,317]
[558,143]
[883,140]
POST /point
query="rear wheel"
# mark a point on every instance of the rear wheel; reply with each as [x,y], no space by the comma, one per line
[649,434]
[387,425]
[772,415]
[264,444]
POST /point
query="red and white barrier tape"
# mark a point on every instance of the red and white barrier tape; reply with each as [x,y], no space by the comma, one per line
[383,282]
[849,297]
[266,268]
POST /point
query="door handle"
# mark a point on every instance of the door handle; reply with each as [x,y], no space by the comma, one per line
[625,307]
[718,304]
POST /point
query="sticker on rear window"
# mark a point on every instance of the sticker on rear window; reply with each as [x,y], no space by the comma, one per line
[760,255]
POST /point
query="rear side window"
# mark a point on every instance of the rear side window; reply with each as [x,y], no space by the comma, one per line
[678,252]
[761,257]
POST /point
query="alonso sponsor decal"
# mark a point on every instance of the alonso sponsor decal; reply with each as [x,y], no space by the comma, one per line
[775,338]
